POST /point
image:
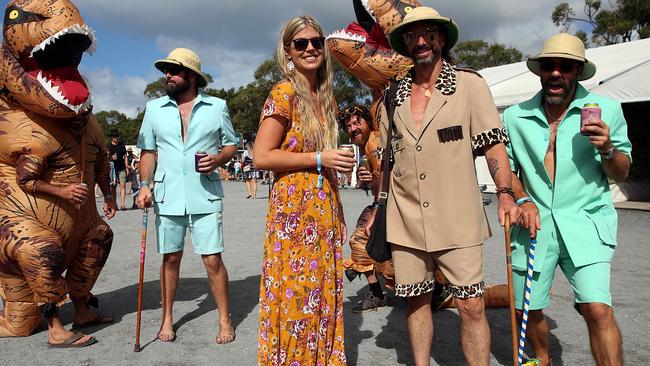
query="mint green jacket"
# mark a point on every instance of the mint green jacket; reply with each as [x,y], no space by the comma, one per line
[178,188]
[579,204]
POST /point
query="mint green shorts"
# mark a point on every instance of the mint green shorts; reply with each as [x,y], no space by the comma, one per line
[206,231]
[590,283]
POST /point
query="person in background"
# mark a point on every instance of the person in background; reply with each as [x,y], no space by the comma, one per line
[117,154]
[561,175]
[250,173]
[301,290]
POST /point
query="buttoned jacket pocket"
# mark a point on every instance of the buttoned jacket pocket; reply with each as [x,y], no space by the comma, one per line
[400,156]
[605,221]
[212,185]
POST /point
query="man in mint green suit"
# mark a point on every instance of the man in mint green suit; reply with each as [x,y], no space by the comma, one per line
[186,195]
[561,182]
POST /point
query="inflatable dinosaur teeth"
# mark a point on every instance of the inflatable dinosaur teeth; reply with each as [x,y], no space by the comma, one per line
[343,34]
[43,44]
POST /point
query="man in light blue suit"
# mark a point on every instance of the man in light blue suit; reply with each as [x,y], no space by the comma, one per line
[186,194]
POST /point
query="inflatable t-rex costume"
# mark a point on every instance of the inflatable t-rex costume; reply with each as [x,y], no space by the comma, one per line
[363,50]
[49,141]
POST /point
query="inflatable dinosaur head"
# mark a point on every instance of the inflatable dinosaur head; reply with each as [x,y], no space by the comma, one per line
[362,48]
[43,43]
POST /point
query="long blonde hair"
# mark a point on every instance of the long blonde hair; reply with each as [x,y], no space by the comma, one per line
[325,136]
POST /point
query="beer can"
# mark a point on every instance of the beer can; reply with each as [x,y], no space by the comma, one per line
[589,113]
[197,157]
[364,162]
[349,148]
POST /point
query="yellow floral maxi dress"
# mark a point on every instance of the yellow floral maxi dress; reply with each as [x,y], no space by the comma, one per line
[301,291]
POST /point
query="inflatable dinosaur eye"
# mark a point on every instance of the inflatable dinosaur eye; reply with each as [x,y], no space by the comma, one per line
[14,14]
[408,9]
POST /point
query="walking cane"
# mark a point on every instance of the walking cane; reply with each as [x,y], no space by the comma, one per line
[511,292]
[143,249]
[524,319]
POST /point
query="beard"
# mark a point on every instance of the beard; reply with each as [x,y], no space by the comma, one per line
[568,86]
[435,52]
[175,89]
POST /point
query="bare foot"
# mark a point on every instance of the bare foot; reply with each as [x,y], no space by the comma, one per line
[87,318]
[226,333]
[166,333]
[55,337]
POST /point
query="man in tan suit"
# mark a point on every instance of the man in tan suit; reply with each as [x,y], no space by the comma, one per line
[443,118]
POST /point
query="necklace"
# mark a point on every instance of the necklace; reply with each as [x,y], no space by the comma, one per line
[427,92]
[548,114]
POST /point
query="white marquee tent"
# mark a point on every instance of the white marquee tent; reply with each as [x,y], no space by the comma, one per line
[623,74]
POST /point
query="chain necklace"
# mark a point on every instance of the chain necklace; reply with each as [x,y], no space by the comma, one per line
[427,92]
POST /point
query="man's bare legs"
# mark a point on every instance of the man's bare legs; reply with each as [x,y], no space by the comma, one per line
[420,327]
[474,331]
[57,334]
[537,334]
[604,334]
[169,271]
[123,193]
[218,277]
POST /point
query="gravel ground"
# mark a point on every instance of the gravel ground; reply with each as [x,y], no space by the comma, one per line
[374,338]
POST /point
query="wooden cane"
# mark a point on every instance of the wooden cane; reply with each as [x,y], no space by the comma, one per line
[143,249]
[511,294]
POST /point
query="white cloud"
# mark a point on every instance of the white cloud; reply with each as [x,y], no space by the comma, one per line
[110,92]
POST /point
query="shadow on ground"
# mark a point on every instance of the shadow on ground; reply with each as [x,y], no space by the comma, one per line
[243,295]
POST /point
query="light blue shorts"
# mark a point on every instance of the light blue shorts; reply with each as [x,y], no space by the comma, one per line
[590,283]
[206,231]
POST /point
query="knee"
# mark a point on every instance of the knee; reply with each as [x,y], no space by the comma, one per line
[470,309]
[213,263]
[416,303]
[172,259]
[597,313]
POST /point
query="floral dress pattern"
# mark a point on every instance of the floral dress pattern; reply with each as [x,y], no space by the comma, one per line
[301,297]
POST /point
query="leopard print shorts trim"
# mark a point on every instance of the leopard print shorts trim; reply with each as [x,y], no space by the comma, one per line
[488,138]
[468,292]
[415,289]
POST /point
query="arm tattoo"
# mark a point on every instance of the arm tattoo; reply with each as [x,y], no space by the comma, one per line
[493,165]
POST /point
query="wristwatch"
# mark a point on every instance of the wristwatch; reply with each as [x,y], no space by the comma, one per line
[609,155]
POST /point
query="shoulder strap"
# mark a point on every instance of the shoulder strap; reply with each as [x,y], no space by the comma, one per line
[389,101]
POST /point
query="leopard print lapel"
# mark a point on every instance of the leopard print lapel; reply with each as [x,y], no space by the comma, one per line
[446,83]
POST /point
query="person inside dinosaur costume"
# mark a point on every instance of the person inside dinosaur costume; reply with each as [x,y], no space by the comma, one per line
[51,150]
[363,50]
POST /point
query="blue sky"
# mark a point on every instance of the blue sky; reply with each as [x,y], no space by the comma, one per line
[233,38]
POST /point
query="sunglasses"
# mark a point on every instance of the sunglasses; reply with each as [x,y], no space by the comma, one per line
[429,35]
[549,66]
[348,112]
[172,70]
[301,44]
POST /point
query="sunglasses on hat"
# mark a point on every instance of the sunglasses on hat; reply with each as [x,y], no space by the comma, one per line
[301,44]
[550,66]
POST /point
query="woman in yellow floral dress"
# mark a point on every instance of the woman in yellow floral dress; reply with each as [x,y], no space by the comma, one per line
[301,294]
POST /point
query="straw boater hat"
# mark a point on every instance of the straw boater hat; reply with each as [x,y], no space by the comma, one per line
[563,45]
[423,13]
[185,58]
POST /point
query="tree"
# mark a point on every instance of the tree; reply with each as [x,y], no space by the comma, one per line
[628,19]
[478,54]
[127,127]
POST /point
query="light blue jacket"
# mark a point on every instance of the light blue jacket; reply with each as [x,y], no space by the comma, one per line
[178,188]
[579,204]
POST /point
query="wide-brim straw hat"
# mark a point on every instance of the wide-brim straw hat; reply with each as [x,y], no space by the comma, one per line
[185,58]
[567,46]
[423,13]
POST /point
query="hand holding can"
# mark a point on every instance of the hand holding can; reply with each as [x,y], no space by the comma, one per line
[197,158]
[589,114]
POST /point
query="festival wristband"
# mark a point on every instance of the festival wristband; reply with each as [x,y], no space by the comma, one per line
[319,168]
[144,183]
[523,200]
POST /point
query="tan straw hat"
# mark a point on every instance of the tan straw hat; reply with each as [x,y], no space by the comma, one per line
[186,58]
[567,46]
[423,13]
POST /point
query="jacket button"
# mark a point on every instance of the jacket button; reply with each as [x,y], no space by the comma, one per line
[422,176]
[418,148]
[425,204]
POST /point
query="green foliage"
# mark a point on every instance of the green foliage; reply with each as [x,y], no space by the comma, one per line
[478,54]
[627,19]
[128,127]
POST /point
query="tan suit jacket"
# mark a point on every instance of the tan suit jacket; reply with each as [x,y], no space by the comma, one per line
[434,201]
